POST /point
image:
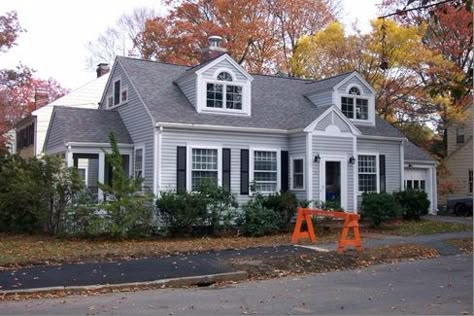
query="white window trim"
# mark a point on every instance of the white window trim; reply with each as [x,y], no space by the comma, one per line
[224,69]
[123,87]
[201,95]
[377,174]
[292,185]
[343,160]
[189,163]
[142,147]
[337,100]
[86,175]
[354,97]
[252,163]
[224,109]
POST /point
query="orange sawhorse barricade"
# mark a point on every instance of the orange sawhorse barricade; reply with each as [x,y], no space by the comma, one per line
[351,220]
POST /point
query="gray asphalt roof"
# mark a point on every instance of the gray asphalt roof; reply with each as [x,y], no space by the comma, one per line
[328,83]
[413,152]
[277,102]
[87,125]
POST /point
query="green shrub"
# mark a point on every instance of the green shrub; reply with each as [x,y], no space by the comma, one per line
[128,207]
[181,211]
[258,220]
[34,193]
[329,206]
[414,203]
[284,204]
[83,217]
[220,204]
[380,207]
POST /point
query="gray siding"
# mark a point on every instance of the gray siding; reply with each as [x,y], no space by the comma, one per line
[208,74]
[188,86]
[325,122]
[171,138]
[55,136]
[354,80]
[391,150]
[336,146]
[138,123]
[297,147]
[343,126]
[321,98]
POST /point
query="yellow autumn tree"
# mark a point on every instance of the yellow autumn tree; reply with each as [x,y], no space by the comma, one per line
[408,90]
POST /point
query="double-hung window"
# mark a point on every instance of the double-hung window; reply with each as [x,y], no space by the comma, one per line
[139,163]
[297,173]
[204,166]
[354,106]
[265,171]
[224,93]
[367,166]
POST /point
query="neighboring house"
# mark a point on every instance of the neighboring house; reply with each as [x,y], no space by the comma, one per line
[31,131]
[178,125]
[459,160]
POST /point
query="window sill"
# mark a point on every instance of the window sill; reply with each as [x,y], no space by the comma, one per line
[224,111]
[298,189]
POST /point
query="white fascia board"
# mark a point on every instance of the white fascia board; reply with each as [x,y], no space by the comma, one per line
[387,138]
[358,76]
[86,144]
[420,162]
[227,128]
[334,109]
[104,93]
[229,59]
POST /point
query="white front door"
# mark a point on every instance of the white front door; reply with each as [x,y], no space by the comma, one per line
[333,179]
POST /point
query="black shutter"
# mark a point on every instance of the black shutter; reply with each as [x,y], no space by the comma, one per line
[382,173]
[226,168]
[181,169]
[284,171]
[244,171]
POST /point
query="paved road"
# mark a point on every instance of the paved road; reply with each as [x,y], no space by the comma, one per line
[437,286]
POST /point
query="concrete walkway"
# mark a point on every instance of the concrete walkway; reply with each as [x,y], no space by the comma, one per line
[178,266]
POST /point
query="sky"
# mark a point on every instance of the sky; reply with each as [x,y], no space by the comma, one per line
[58,31]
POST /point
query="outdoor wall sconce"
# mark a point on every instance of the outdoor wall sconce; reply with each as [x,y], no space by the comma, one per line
[352,160]
[317,158]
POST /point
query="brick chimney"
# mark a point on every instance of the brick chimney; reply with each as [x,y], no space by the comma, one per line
[102,69]
[214,49]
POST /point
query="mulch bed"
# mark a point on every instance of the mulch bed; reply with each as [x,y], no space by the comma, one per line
[317,262]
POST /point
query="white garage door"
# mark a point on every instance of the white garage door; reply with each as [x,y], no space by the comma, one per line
[416,178]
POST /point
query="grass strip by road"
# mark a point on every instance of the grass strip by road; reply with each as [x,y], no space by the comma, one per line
[420,227]
[24,250]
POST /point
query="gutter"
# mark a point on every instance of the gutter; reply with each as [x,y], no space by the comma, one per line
[81,144]
[228,128]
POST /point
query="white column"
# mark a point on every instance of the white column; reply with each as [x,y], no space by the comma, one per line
[100,194]
[69,157]
[309,167]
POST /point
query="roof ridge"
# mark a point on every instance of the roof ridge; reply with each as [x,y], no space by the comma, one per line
[281,77]
[154,61]
[332,77]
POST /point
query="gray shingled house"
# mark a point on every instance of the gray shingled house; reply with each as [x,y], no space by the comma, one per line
[178,125]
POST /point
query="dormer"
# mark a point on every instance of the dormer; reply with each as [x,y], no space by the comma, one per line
[219,85]
[350,93]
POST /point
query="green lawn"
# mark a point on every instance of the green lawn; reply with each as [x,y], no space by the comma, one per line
[421,227]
